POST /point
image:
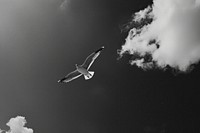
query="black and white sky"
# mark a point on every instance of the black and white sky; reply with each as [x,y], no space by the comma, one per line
[152,88]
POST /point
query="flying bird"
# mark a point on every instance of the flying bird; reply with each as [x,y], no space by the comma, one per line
[82,69]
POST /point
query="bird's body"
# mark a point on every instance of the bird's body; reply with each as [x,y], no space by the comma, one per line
[83,69]
[87,74]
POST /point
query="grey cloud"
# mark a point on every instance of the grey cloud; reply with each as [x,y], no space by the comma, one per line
[64,4]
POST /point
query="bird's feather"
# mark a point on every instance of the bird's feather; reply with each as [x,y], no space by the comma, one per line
[71,76]
[91,58]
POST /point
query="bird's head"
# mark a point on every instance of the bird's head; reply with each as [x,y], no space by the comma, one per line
[76,65]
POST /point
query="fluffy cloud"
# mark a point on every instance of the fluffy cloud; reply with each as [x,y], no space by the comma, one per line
[17,126]
[166,33]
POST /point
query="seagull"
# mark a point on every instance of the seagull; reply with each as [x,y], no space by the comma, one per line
[82,69]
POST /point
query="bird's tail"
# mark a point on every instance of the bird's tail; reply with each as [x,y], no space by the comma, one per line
[89,76]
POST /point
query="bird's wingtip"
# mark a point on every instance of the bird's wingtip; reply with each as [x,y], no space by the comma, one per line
[99,49]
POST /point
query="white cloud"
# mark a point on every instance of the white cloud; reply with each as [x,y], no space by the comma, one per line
[17,126]
[168,32]
[64,4]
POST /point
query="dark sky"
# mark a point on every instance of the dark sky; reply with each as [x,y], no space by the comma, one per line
[39,44]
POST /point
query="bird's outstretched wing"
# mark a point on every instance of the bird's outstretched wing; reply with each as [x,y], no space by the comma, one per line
[71,76]
[91,58]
